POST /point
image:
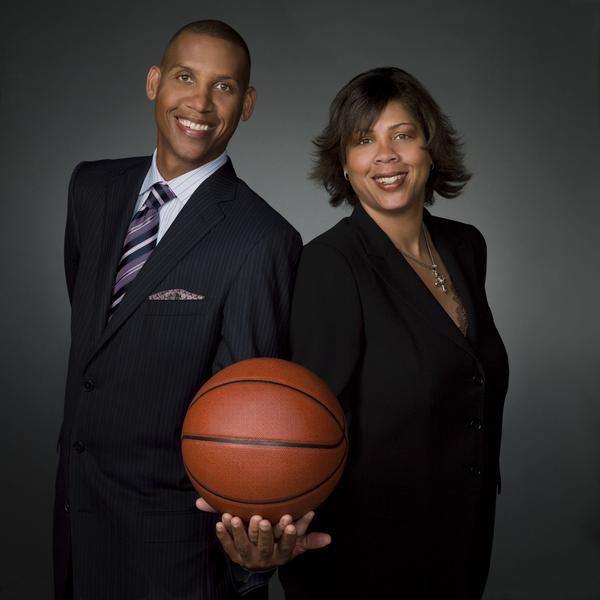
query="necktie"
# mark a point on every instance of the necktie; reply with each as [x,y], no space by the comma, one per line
[139,241]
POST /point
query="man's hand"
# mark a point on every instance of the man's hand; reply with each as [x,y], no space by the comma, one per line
[263,546]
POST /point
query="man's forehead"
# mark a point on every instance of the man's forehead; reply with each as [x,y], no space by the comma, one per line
[200,47]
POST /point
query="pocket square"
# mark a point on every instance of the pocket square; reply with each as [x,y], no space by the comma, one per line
[177,294]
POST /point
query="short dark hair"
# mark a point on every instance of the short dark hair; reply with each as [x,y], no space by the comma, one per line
[217,29]
[359,104]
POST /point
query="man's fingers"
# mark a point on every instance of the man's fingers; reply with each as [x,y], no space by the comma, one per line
[314,541]
[242,543]
[283,523]
[227,542]
[286,544]
[253,528]
[226,520]
[303,523]
[266,542]
[202,504]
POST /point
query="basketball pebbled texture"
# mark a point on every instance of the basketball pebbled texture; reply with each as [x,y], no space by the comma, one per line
[264,436]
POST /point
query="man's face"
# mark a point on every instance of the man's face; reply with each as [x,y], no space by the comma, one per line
[199,95]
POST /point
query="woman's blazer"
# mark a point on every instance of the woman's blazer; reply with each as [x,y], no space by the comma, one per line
[415,508]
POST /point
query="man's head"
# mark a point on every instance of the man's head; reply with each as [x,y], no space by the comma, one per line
[200,91]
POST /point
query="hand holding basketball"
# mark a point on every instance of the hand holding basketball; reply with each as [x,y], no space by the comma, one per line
[265,547]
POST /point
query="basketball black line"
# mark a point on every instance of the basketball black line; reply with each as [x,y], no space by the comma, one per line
[251,442]
[276,501]
[290,387]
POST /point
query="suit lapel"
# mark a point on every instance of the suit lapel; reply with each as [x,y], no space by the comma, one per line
[121,195]
[199,215]
[399,275]
[459,262]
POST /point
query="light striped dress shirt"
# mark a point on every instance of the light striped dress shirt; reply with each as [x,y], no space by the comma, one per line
[183,187]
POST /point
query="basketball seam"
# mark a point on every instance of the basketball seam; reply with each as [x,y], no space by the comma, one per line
[256,442]
[290,387]
[277,500]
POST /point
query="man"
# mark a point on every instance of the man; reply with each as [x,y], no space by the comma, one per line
[175,269]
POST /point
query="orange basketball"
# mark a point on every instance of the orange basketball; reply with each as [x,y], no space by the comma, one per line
[264,437]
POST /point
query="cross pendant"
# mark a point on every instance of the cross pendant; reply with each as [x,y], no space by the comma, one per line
[439,281]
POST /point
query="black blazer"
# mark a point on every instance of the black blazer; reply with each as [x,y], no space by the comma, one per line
[123,502]
[413,515]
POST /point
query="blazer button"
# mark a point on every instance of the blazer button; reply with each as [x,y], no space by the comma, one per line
[79,446]
[88,385]
[67,507]
[478,379]
[475,471]
[475,424]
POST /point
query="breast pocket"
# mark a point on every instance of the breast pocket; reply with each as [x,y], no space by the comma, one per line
[174,307]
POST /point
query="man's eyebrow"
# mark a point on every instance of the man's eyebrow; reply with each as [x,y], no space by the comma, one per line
[217,76]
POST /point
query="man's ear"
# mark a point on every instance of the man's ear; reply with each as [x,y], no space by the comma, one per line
[152,82]
[249,101]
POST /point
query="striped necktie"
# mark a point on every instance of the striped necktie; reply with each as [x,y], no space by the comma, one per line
[139,241]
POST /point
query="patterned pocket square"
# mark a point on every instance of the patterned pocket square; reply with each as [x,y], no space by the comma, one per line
[177,294]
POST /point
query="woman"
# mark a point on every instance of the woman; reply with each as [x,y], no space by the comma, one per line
[390,309]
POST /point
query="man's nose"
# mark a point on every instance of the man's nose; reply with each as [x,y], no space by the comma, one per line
[200,99]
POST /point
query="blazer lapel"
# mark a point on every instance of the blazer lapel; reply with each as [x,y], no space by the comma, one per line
[121,195]
[454,252]
[398,274]
[199,215]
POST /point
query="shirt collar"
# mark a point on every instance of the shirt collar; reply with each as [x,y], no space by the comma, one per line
[184,185]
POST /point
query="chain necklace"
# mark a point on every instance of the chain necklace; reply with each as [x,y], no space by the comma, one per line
[439,281]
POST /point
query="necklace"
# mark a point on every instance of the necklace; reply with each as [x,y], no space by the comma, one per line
[439,281]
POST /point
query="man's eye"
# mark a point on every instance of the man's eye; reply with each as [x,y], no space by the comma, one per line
[223,87]
[184,77]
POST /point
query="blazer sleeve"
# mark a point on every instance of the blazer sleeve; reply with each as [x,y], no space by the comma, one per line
[480,250]
[71,247]
[326,324]
[255,319]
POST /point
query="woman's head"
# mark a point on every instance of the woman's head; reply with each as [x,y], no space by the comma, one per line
[360,114]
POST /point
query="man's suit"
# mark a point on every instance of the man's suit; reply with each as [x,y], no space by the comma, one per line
[413,515]
[124,512]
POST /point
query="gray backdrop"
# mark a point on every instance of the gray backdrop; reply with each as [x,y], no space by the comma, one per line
[520,81]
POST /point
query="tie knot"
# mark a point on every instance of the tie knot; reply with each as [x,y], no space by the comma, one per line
[159,194]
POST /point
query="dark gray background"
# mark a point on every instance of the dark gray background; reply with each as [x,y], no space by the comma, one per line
[520,81]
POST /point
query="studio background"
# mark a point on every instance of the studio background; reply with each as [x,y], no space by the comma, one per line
[520,81]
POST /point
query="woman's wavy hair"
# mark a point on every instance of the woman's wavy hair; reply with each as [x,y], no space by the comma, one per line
[358,105]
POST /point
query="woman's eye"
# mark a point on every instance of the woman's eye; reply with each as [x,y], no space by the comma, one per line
[402,136]
[364,140]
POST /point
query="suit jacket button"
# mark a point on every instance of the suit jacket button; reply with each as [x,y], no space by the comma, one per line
[88,385]
[475,471]
[67,507]
[475,424]
[79,446]
[478,379]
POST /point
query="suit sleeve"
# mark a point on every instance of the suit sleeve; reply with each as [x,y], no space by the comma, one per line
[480,256]
[256,311]
[326,322]
[71,247]
[256,323]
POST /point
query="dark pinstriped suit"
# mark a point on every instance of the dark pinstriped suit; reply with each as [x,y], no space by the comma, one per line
[123,502]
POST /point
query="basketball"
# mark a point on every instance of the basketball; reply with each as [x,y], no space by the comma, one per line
[264,437]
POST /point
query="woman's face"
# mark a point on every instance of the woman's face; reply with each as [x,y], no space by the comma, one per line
[388,166]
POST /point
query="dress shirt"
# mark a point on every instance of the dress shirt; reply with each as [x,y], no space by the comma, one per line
[183,187]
